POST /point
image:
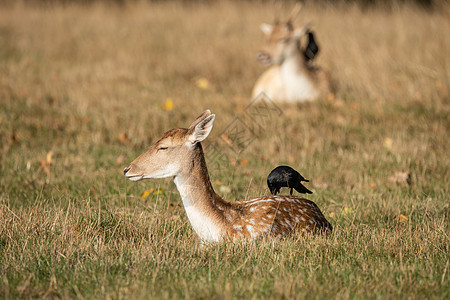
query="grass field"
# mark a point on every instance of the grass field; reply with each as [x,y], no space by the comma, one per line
[85,89]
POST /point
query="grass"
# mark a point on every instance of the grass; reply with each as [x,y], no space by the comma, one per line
[81,95]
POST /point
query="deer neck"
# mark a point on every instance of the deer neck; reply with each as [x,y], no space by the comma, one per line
[294,62]
[202,204]
[297,77]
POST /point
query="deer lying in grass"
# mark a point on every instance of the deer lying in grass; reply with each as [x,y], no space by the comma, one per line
[179,154]
[292,77]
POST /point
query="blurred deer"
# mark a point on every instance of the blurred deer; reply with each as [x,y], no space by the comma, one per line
[292,77]
[179,154]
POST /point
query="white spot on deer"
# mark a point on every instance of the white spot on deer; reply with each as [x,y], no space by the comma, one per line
[256,201]
[302,218]
[251,231]
[237,227]
[252,209]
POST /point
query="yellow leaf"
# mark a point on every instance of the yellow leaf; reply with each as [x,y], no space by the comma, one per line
[388,143]
[168,105]
[218,182]
[49,158]
[147,193]
[203,84]
[348,210]
[159,191]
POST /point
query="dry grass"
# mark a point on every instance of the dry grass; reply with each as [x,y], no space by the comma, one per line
[88,84]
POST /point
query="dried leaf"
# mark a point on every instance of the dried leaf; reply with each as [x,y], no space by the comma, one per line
[226,139]
[123,138]
[45,167]
[243,162]
[168,105]
[401,218]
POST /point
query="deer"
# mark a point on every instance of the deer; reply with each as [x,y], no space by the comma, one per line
[292,76]
[179,154]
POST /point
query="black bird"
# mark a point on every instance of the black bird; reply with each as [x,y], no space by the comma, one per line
[285,176]
[311,49]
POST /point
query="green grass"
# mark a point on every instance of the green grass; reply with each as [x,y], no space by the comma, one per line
[74,80]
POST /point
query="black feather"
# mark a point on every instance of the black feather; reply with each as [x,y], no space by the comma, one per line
[285,176]
[312,48]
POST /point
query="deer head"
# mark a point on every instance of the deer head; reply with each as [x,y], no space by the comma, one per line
[173,153]
[281,39]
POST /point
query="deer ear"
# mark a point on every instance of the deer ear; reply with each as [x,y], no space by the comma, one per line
[299,32]
[266,28]
[200,118]
[201,130]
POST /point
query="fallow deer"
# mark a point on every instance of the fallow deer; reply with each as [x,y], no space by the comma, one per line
[292,77]
[179,154]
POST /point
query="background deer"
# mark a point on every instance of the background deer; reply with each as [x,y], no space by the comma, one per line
[179,154]
[292,77]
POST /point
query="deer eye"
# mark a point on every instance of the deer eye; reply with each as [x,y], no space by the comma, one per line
[162,148]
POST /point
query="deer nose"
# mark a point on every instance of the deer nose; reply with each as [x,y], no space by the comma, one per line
[264,58]
[126,170]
